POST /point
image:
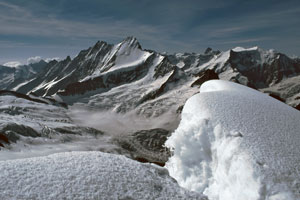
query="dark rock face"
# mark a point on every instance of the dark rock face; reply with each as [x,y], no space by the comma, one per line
[276,96]
[205,76]
[37,99]
[12,131]
[297,107]
[19,95]
[3,140]
[163,68]
[147,145]
[263,71]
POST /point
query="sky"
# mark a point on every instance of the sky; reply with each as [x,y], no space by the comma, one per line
[58,28]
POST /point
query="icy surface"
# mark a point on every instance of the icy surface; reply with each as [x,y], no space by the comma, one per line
[87,175]
[236,143]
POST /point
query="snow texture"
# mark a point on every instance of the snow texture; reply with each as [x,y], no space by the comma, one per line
[236,143]
[87,175]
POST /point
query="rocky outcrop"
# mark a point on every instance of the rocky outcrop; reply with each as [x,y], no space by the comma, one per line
[147,145]
[3,140]
[207,75]
[46,100]
[263,69]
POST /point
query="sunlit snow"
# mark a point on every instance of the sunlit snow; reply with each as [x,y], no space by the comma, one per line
[236,143]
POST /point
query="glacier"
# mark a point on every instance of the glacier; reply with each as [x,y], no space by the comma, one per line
[235,143]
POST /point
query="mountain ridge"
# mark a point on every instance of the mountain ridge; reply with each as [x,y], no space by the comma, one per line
[104,68]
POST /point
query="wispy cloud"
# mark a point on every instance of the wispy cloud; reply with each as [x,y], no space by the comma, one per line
[50,59]
[250,40]
[19,21]
[34,59]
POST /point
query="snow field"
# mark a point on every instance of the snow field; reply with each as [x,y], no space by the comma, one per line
[87,175]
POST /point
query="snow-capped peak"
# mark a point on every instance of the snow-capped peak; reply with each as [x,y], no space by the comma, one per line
[132,42]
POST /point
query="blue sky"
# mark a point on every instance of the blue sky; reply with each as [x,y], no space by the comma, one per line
[57,28]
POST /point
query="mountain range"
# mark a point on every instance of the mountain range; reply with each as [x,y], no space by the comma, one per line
[125,77]
[125,90]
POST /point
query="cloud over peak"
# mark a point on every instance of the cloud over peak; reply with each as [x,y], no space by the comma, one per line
[33,60]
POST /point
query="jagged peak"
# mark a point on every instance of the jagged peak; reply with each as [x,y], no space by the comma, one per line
[131,41]
[130,38]
[99,43]
[68,59]
[38,63]
[208,50]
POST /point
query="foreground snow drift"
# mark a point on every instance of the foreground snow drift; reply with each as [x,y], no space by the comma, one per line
[236,143]
[87,175]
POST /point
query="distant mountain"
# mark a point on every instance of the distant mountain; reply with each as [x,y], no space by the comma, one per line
[125,77]
[11,77]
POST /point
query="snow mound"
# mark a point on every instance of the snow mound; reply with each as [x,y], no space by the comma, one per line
[236,143]
[87,175]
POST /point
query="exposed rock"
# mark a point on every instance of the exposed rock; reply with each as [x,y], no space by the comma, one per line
[205,76]
[297,107]
[147,145]
[176,76]
[36,99]
[3,139]
[276,96]
[13,131]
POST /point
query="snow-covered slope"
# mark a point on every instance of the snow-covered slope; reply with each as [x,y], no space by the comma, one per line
[234,142]
[87,175]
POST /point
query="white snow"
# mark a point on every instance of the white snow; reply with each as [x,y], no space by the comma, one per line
[87,175]
[217,60]
[180,64]
[33,60]
[129,56]
[12,64]
[51,59]
[239,49]
[236,143]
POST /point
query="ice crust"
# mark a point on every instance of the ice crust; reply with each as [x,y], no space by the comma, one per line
[236,143]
